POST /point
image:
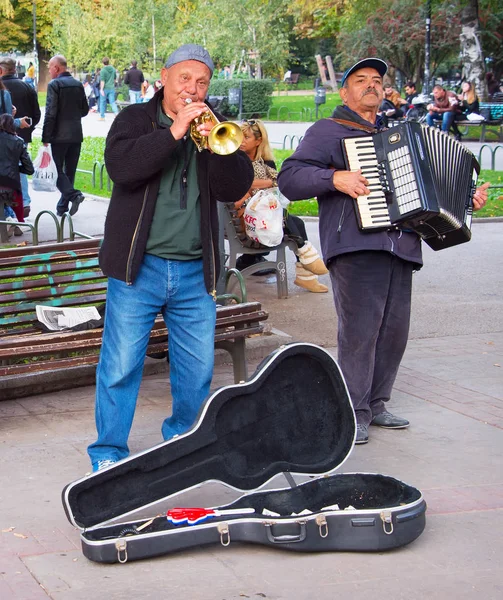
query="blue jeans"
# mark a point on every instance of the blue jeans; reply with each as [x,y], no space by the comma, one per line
[177,290]
[110,97]
[24,189]
[447,119]
[134,97]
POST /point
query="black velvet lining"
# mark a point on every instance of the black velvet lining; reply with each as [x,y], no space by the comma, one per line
[360,491]
[296,416]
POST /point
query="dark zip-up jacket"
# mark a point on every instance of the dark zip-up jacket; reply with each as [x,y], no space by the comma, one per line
[308,172]
[65,106]
[25,99]
[14,159]
[134,78]
[137,150]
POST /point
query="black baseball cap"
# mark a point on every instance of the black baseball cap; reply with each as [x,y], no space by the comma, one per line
[373,63]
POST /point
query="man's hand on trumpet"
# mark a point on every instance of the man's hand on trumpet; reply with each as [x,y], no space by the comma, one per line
[185,116]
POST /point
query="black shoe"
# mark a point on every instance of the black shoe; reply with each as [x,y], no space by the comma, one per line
[389,421]
[247,260]
[458,137]
[362,434]
[76,203]
[59,213]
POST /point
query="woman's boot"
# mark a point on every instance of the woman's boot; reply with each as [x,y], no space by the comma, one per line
[308,281]
[310,259]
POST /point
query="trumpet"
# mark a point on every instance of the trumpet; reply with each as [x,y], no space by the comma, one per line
[224,138]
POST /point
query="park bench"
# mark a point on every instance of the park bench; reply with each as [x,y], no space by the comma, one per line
[236,237]
[493,125]
[68,274]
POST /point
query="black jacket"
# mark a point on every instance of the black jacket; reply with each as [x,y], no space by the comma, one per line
[134,78]
[65,106]
[137,150]
[25,99]
[13,152]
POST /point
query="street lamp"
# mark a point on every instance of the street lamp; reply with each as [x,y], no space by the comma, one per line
[426,86]
[35,55]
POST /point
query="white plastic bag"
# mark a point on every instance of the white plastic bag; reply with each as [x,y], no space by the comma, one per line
[46,174]
[264,218]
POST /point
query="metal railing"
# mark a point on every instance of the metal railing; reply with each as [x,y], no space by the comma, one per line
[492,151]
[60,227]
[101,167]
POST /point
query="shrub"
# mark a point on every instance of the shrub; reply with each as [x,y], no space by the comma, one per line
[256,96]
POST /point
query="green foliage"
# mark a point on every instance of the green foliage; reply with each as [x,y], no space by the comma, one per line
[256,95]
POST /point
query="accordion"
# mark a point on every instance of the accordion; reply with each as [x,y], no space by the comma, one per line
[419,179]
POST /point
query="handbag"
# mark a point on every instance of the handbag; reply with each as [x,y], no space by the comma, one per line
[46,174]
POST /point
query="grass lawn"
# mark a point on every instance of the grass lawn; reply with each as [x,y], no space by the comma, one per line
[93,149]
[300,108]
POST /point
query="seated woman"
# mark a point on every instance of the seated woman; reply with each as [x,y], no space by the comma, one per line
[309,264]
[468,99]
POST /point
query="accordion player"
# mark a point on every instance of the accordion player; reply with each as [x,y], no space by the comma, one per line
[419,179]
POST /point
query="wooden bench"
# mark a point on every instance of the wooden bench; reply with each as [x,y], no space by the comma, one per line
[68,274]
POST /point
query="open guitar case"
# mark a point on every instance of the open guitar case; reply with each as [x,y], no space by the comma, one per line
[294,416]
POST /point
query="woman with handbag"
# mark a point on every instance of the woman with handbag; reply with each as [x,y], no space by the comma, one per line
[309,264]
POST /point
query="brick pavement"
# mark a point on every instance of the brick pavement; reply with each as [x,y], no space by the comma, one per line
[452,452]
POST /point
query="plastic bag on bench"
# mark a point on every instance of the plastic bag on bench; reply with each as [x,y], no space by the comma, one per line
[264,218]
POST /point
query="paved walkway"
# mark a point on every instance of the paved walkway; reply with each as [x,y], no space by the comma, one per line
[450,386]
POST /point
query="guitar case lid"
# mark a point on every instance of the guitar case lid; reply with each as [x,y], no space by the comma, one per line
[293,415]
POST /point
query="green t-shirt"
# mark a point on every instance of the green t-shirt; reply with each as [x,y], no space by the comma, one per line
[175,232]
[107,75]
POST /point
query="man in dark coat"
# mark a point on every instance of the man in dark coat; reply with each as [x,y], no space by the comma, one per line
[25,99]
[371,271]
[134,78]
[66,104]
[160,250]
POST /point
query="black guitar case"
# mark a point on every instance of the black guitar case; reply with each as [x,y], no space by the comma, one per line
[294,416]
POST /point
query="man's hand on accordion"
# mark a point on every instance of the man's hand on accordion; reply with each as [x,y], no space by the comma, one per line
[480,196]
[352,183]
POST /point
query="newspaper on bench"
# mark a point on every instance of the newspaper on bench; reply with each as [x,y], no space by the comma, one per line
[57,318]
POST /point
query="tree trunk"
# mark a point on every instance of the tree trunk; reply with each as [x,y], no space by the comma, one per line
[471,49]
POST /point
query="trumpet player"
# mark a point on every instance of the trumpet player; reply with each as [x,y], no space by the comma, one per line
[160,250]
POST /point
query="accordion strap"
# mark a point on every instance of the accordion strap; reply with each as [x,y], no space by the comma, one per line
[354,125]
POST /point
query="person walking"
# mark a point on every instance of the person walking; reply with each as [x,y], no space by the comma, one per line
[134,78]
[371,271]
[160,250]
[108,75]
[65,106]
[25,99]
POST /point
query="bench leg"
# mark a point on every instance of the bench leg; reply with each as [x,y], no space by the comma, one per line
[237,350]
[281,275]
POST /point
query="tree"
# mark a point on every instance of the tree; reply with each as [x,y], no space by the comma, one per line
[16,30]
[471,48]
[396,34]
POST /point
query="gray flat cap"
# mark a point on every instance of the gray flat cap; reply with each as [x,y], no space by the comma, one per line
[190,52]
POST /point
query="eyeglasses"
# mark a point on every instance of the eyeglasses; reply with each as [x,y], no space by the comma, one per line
[250,122]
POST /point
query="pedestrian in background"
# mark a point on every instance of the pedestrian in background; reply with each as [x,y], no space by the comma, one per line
[108,75]
[25,99]
[65,106]
[134,78]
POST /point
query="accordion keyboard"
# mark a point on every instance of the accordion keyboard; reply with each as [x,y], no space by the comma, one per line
[372,209]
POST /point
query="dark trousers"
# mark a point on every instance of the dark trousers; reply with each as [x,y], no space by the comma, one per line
[372,293]
[66,157]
